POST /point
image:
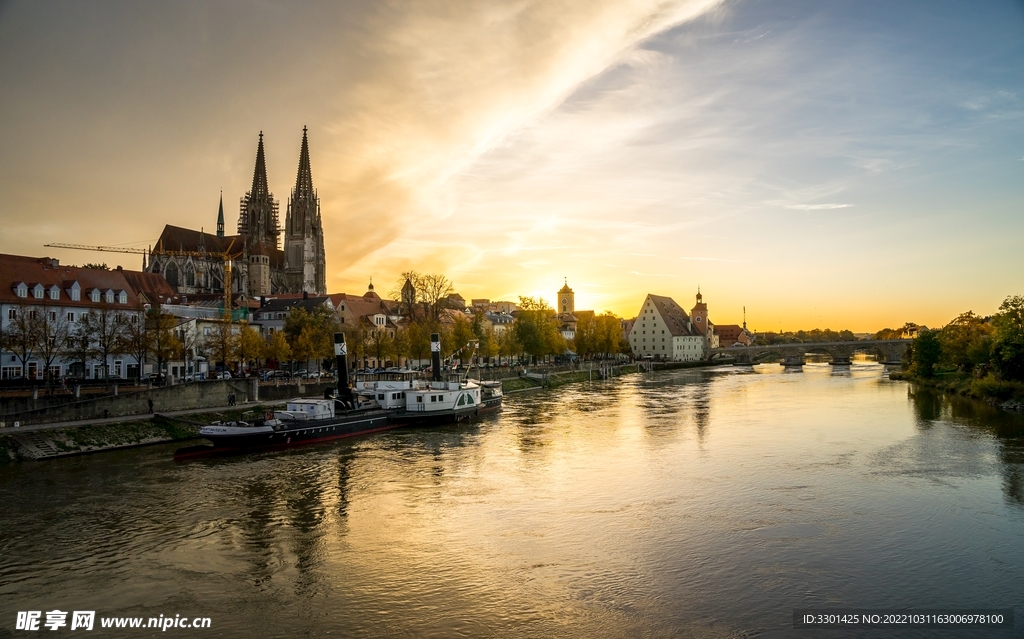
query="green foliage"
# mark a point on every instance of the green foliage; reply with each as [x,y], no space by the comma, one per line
[802,337]
[927,350]
[966,342]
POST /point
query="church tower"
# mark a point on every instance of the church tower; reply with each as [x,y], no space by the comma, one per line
[257,217]
[566,299]
[220,216]
[305,259]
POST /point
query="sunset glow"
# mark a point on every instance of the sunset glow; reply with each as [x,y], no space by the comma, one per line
[809,162]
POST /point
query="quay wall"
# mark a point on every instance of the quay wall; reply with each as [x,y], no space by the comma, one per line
[196,395]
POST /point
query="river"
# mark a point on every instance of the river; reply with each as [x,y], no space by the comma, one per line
[696,503]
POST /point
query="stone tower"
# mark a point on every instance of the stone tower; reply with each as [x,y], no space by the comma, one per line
[699,315]
[257,218]
[566,299]
[305,259]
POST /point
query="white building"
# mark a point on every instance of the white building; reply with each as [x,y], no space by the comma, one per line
[663,330]
[43,307]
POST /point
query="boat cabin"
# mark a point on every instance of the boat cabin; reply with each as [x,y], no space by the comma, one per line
[307,409]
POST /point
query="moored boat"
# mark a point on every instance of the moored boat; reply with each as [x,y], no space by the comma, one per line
[443,401]
[303,421]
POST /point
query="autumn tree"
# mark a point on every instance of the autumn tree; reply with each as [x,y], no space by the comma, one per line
[138,341]
[251,345]
[164,344]
[277,348]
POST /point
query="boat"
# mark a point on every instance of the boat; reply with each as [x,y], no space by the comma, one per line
[303,420]
[443,401]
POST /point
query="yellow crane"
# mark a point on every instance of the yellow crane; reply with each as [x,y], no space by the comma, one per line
[227,256]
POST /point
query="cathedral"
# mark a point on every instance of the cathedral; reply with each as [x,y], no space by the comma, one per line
[193,261]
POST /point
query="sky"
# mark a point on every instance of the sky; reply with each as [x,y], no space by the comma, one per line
[843,164]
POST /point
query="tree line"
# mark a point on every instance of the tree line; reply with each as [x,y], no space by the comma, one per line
[984,346]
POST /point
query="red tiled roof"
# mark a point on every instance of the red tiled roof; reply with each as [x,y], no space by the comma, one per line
[48,272]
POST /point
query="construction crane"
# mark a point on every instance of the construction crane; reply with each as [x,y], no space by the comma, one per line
[227,256]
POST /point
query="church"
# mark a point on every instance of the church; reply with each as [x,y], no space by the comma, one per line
[193,261]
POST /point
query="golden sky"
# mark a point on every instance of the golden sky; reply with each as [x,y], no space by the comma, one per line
[821,165]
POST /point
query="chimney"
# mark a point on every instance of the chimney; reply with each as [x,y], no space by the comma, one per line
[54,262]
[119,269]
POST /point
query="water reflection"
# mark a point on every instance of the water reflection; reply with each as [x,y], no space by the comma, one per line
[689,503]
[932,407]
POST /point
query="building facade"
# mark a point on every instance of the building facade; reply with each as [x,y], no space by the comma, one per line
[663,330]
[65,320]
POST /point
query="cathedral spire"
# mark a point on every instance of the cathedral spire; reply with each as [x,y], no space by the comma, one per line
[259,175]
[258,218]
[220,215]
[304,179]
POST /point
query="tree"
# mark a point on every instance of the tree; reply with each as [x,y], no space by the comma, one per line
[251,345]
[507,345]
[138,341]
[536,328]
[23,333]
[1008,342]
[965,341]
[222,343]
[277,348]
[926,351]
[431,289]
[53,336]
[107,327]
[164,345]
[461,334]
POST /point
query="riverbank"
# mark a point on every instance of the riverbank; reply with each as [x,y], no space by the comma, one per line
[93,438]
[544,379]
[999,393]
[158,429]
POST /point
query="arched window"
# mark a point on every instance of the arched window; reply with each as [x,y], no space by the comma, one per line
[171,274]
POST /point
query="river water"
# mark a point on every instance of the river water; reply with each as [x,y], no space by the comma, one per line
[699,503]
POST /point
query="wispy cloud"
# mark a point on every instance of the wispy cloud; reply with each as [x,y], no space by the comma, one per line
[818,207]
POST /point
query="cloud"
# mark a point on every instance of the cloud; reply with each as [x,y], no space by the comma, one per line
[817,207]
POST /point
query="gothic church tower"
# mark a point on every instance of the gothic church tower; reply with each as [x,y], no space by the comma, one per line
[257,218]
[305,259]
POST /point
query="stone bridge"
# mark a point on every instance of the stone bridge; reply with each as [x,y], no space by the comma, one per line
[888,350]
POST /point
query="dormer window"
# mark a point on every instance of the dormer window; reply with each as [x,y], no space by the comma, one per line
[37,291]
[21,290]
[54,292]
[94,295]
[110,296]
[122,297]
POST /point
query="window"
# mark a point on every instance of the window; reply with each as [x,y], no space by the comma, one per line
[53,316]
[135,319]
[54,293]
[76,295]
[94,296]
[12,314]
[37,291]
[71,317]
[122,297]
[110,297]
[22,290]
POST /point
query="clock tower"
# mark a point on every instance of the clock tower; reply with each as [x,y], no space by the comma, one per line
[566,299]
[699,315]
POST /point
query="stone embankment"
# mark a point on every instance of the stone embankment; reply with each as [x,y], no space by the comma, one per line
[50,443]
